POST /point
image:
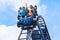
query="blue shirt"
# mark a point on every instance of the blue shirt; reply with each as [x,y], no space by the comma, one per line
[23,12]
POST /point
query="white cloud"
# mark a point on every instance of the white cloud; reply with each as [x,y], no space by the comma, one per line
[17,3]
[9,32]
[42,9]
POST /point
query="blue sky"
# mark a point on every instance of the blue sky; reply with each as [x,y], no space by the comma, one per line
[53,17]
[8,16]
[49,9]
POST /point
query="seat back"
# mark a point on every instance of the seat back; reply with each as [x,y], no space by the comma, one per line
[26,21]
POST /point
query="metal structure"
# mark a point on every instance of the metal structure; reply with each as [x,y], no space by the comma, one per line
[29,23]
[40,34]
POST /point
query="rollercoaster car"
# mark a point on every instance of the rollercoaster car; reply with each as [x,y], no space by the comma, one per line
[27,17]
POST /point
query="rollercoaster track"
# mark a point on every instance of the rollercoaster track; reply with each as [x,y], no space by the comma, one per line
[40,34]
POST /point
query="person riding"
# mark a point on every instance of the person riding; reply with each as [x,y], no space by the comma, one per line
[35,11]
[22,12]
[30,13]
[19,11]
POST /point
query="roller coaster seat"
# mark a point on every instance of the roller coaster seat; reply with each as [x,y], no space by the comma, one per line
[25,20]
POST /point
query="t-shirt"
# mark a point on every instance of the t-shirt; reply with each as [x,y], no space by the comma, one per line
[23,12]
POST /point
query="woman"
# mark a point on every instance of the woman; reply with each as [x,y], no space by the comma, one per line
[30,13]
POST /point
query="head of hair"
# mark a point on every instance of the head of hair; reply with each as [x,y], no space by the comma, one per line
[23,7]
[31,6]
[35,7]
[20,8]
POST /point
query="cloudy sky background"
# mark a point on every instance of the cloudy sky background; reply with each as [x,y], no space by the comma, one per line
[49,9]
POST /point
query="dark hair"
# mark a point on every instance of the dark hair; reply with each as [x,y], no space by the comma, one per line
[31,6]
[23,7]
[20,8]
[35,7]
